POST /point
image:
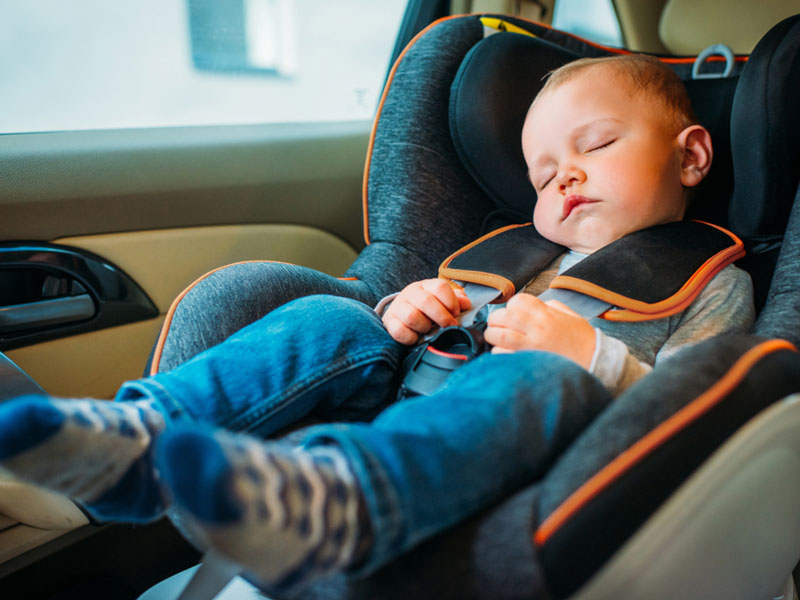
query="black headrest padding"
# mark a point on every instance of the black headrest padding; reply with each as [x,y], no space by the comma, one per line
[764,123]
[712,100]
[489,99]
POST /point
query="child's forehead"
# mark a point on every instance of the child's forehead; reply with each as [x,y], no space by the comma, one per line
[598,86]
[603,79]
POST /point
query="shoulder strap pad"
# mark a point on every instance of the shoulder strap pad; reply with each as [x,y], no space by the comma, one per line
[649,274]
[656,272]
[505,259]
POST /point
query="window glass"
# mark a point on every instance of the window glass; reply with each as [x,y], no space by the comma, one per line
[594,20]
[98,64]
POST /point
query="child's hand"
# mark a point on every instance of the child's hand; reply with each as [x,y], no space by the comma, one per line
[527,323]
[420,306]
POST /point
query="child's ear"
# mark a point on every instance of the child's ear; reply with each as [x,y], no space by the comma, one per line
[695,143]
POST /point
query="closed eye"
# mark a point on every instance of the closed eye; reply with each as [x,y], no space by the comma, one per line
[601,145]
[540,186]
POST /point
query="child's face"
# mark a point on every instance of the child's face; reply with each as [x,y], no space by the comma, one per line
[603,162]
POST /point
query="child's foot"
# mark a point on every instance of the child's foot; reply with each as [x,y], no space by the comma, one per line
[285,515]
[94,451]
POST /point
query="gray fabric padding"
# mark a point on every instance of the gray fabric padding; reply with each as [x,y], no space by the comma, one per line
[780,317]
[416,180]
[235,296]
[487,556]
[675,382]
[386,268]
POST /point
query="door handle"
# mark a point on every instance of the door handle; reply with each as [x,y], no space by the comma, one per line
[45,313]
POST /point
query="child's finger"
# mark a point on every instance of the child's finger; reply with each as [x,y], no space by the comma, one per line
[409,315]
[399,332]
[430,305]
[526,302]
[512,317]
[504,338]
[499,350]
[463,300]
[444,293]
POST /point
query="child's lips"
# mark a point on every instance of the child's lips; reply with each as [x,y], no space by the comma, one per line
[572,201]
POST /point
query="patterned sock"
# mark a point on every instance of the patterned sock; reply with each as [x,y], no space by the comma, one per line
[287,515]
[94,451]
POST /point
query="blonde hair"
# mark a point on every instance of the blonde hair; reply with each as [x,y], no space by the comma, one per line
[646,74]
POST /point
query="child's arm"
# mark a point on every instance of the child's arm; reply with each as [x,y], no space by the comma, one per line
[421,306]
[527,323]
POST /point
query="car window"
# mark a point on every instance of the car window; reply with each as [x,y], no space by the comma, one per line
[594,20]
[95,64]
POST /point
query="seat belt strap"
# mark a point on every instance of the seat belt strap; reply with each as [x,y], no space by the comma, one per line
[481,295]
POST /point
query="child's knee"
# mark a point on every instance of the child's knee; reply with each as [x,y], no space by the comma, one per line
[331,307]
[324,314]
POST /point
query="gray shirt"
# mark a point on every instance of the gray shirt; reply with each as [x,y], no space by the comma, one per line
[625,352]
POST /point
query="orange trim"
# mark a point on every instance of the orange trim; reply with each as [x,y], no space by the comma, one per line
[371,143]
[481,239]
[502,284]
[498,282]
[691,60]
[657,437]
[636,310]
[162,337]
[446,354]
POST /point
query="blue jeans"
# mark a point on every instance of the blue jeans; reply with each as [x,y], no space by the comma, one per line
[423,464]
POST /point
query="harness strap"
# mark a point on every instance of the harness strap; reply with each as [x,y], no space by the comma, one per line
[649,274]
[481,295]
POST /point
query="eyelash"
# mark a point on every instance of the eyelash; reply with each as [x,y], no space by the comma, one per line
[600,147]
[544,185]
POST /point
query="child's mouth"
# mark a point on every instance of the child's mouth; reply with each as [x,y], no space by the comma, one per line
[573,201]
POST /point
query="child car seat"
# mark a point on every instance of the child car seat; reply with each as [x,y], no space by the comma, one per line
[686,485]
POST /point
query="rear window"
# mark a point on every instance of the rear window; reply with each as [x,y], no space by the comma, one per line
[595,20]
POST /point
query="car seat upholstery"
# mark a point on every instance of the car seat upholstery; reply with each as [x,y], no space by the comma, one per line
[428,192]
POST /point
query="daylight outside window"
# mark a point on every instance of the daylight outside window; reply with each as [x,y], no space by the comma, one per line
[594,20]
[100,64]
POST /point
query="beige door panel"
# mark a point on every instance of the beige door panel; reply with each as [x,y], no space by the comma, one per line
[163,263]
[90,364]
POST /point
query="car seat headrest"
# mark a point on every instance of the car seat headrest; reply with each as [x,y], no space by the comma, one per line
[752,117]
[764,128]
[688,26]
[489,98]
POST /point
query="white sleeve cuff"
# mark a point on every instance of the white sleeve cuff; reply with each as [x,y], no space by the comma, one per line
[380,307]
[608,361]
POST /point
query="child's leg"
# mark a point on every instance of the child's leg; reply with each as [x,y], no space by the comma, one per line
[318,352]
[321,355]
[421,466]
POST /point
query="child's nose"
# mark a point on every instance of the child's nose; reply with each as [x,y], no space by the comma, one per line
[569,177]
